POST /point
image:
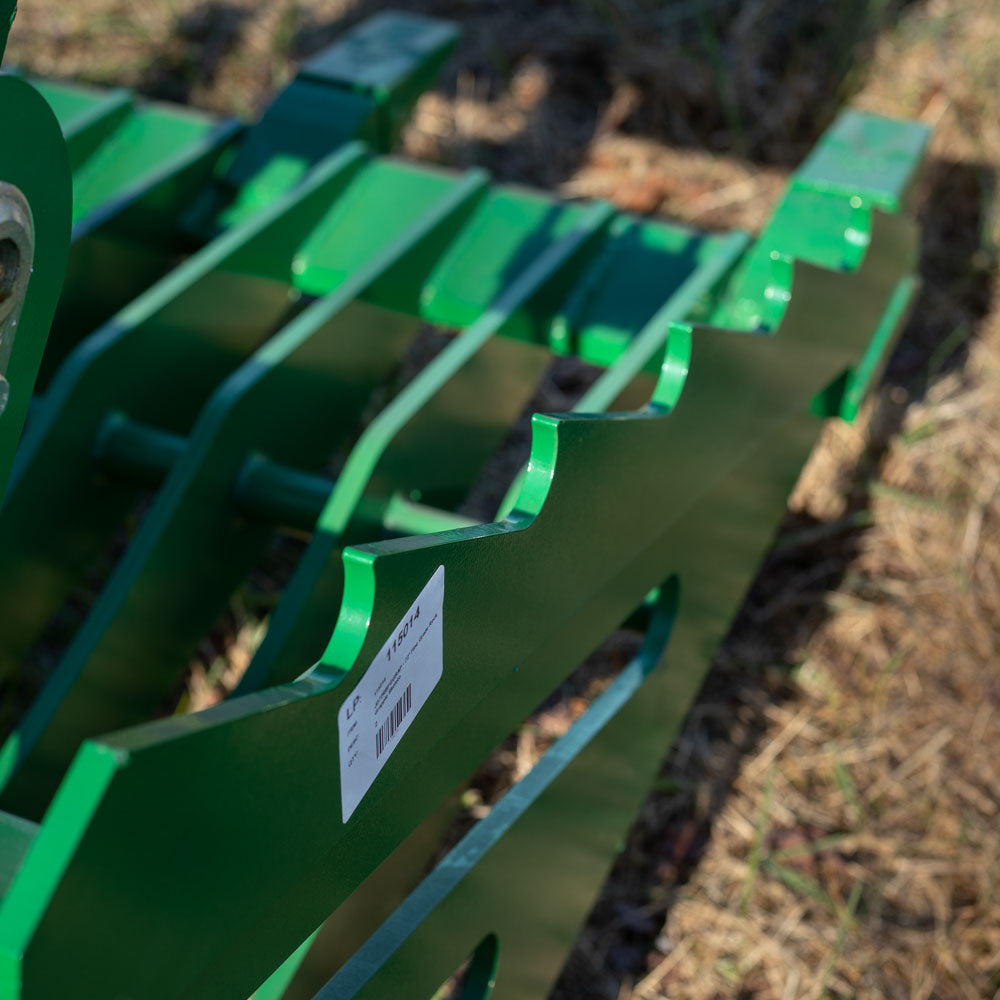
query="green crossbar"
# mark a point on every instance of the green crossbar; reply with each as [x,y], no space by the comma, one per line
[231,361]
[151,180]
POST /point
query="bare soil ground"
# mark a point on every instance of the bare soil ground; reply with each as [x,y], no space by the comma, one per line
[827,825]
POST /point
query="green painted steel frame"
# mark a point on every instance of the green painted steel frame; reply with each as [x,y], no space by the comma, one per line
[35,163]
[402,451]
[742,437]
[152,181]
[164,821]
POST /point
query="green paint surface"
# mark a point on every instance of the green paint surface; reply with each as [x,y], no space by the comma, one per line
[197,855]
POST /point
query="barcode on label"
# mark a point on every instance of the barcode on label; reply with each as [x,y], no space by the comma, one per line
[393,720]
[372,722]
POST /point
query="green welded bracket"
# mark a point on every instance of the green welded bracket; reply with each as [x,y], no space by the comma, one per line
[863,161]
[234,394]
[392,58]
[681,496]
[35,202]
[604,547]
[720,406]
[363,86]
[152,182]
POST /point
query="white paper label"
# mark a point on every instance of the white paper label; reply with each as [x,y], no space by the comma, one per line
[394,688]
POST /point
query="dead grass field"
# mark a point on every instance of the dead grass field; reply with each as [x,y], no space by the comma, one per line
[827,825]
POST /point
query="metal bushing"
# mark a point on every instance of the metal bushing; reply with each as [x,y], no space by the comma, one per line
[17,248]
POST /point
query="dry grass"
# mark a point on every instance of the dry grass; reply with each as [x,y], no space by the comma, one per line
[827,825]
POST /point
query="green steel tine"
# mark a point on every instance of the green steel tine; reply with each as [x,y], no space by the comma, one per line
[379,946]
[867,158]
[298,626]
[137,149]
[430,934]
[136,618]
[867,371]
[149,147]
[648,342]
[797,357]
[393,56]
[835,189]
[550,569]
[362,86]
[345,930]
[622,737]
[85,132]
[200,158]
[69,102]
[173,331]
[533,822]
[380,66]
[144,213]
[644,347]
